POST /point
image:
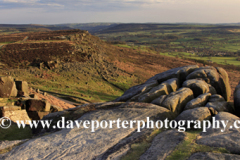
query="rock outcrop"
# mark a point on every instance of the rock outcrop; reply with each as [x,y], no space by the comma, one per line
[197,86]
[201,100]
[228,138]
[217,77]
[25,107]
[80,142]
[159,149]
[180,94]
[22,86]
[200,114]
[237,100]
[7,87]
[213,156]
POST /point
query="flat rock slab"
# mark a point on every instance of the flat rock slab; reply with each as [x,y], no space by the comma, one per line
[229,139]
[8,108]
[7,144]
[163,145]
[213,156]
[80,143]
[122,148]
[18,115]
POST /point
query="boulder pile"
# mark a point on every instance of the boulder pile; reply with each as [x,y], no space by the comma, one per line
[17,104]
[191,92]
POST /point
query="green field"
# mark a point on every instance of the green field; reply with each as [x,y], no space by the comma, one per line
[219,60]
[216,43]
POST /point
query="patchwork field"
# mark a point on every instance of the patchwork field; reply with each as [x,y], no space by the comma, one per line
[218,43]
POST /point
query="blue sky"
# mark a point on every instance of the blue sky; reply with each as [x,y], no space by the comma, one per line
[138,11]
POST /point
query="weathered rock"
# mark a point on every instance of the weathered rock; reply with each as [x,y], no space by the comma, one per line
[80,142]
[37,105]
[184,72]
[17,115]
[122,148]
[164,88]
[201,113]
[179,73]
[7,87]
[3,101]
[8,108]
[120,153]
[3,104]
[135,90]
[212,90]
[9,144]
[176,101]
[213,111]
[237,100]
[22,86]
[197,86]
[228,138]
[20,94]
[221,106]
[216,98]
[197,102]
[213,156]
[55,108]
[34,96]
[225,80]
[159,100]
[163,145]
[162,112]
[201,73]
[173,84]
[108,105]
[211,76]
[21,102]
[55,115]
[36,115]
[38,90]
[155,92]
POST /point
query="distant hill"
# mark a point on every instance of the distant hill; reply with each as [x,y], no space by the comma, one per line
[134,27]
[91,27]
[76,63]
[80,66]
[29,27]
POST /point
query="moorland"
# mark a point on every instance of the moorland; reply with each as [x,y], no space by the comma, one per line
[83,68]
[99,65]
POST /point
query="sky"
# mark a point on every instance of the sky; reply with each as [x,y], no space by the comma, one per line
[121,11]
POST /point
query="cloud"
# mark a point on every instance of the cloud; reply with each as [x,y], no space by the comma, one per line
[83,5]
[13,4]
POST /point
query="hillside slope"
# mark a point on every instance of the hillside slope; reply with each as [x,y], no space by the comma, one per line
[81,67]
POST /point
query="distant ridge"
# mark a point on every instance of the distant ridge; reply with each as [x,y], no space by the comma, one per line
[90,27]
[31,27]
